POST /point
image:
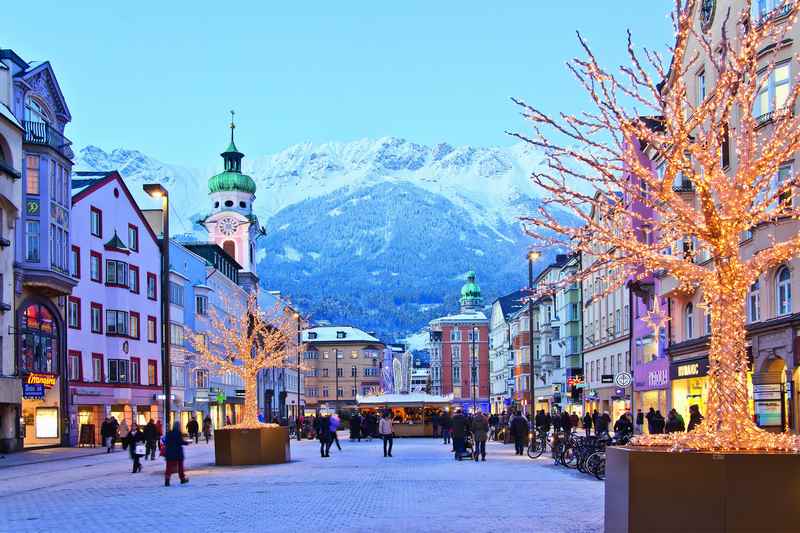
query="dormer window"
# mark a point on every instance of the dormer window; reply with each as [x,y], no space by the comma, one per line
[341,334]
[312,334]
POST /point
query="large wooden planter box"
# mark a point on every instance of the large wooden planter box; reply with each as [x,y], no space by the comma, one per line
[652,490]
[262,446]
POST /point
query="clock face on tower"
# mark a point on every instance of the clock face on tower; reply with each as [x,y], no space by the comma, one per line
[227,225]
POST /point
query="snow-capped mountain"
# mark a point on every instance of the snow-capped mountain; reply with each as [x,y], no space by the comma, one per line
[377,233]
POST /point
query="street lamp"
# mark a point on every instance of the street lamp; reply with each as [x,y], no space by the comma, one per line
[474,368]
[533,256]
[156,190]
[297,413]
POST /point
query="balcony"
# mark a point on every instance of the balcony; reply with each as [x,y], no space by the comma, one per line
[776,13]
[45,135]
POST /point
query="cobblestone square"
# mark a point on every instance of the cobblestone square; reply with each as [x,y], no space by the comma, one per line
[421,488]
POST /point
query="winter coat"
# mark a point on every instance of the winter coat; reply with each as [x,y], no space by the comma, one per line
[107,430]
[459,426]
[623,426]
[480,427]
[446,422]
[151,432]
[694,420]
[207,425]
[192,427]
[173,446]
[133,438]
[573,418]
[540,419]
[385,426]
[587,421]
[639,418]
[602,423]
[674,425]
[519,427]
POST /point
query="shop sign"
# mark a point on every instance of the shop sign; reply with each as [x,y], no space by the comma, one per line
[48,381]
[240,393]
[651,375]
[689,369]
[771,391]
[607,378]
[623,379]
[201,395]
[33,391]
[768,413]
[556,388]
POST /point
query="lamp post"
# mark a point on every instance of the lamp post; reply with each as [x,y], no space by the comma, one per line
[474,369]
[297,413]
[533,255]
[156,190]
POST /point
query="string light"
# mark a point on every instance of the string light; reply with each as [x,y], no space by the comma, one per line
[244,341]
[683,220]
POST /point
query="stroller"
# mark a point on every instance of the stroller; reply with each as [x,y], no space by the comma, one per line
[469,447]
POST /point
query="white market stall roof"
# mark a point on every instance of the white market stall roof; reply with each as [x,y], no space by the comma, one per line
[413,398]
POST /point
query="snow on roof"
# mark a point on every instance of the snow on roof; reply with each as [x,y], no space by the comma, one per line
[338,334]
[476,316]
[395,399]
[8,115]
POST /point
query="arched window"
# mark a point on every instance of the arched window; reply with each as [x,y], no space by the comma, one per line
[230,248]
[783,290]
[36,112]
[689,321]
[754,303]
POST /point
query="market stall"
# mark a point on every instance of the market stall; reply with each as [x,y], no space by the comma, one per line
[412,413]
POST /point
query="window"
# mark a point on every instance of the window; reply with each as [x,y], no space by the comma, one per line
[75,372]
[176,334]
[136,371]
[151,329]
[339,354]
[725,147]
[97,317]
[339,372]
[133,278]
[116,273]
[341,334]
[689,321]
[312,334]
[152,372]
[133,238]
[339,392]
[753,303]
[708,321]
[75,262]
[32,241]
[201,305]
[117,371]
[175,294]
[353,371]
[324,372]
[617,321]
[176,375]
[97,367]
[773,90]
[456,373]
[74,312]
[455,335]
[783,287]
[324,392]
[32,174]
[151,286]
[784,174]
[116,322]
[201,379]
[96,267]
[701,87]
[96,222]
[134,327]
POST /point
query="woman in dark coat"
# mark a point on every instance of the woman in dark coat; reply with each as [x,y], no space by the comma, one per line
[324,436]
[694,417]
[173,453]
[135,439]
[355,427]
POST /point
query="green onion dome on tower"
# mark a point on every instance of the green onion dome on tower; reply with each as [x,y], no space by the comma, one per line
[232,179]
[470,293]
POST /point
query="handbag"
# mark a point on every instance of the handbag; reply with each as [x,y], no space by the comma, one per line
[140,449]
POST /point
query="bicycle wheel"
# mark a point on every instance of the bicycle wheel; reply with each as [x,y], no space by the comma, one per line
[535,449]
[569,457]
[596,465]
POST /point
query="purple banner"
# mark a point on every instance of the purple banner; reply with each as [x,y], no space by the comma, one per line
[651,376]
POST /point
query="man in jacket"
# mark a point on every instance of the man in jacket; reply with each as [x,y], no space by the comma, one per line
[587,424]
[387,433]
[150,440]
[459,427]
[480,430]
[107,434]
[566,423]
[602,424]
[193,429]
[446,423]
[519,431]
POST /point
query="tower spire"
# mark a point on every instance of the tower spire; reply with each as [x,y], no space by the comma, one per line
[233,125]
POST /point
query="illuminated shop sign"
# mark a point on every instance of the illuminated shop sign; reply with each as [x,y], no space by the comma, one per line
[36,378]
[689,369]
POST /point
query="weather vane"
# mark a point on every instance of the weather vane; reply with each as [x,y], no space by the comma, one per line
[233,126]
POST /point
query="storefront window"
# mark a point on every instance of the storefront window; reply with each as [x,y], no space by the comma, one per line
[39,347]
[46,422]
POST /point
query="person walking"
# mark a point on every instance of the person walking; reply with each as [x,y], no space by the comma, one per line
[519,432]
[587,424]
[574,421]
[335,423]
[193,429]
[387,433]
[435,424]
[566,423]
[136,441]
[695,417]
[124,432]
[459,428]
[623,428]
[323,430]
[107,434]
[151,440]
[658,423]
[173,453]
[365,427]
[480,431]
[651,419]
[207,428]
[446,423]
[639,421]
[602,424]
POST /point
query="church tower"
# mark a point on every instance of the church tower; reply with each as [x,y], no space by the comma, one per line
[232,224]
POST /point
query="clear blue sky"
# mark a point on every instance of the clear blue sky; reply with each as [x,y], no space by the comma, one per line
[161,76]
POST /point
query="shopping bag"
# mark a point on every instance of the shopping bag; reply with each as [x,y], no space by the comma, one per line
[140,449]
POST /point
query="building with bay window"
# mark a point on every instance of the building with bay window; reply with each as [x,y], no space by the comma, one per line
[113,314]
[41,280]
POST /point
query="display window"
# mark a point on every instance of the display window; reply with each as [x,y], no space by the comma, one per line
[46,423]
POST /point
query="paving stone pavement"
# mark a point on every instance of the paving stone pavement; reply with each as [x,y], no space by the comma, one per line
[421,488]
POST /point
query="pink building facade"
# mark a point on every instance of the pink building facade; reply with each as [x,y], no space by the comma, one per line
[113,315]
